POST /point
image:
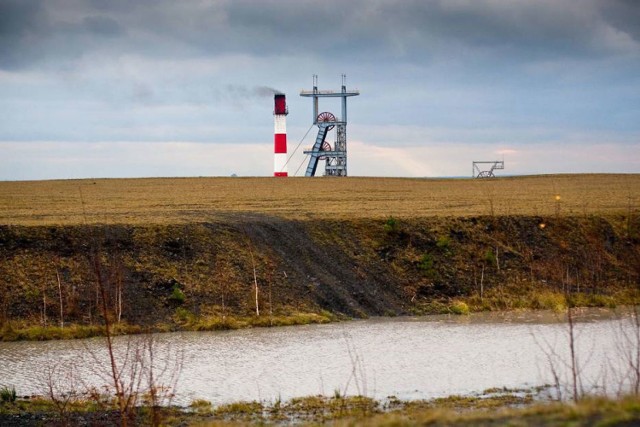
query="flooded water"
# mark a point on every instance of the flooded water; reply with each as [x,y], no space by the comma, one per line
[408,357]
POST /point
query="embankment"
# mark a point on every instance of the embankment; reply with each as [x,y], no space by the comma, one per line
[203,275]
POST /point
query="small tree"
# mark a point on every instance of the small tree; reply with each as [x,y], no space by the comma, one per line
[558,364]
[628,350]
[60,298]
[60,384]
[126,392]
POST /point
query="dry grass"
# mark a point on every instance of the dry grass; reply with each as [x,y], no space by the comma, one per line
[169,200]
[501,408]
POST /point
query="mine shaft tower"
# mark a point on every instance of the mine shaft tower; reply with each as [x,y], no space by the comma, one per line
[336,156]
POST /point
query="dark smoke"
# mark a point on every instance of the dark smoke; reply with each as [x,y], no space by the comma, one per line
[243,92]
[240,96]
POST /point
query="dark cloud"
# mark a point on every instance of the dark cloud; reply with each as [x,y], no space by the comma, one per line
[22,26]
[20,17]
[153,69]
[623,15]
[408,30]
[33,32]
[411,30]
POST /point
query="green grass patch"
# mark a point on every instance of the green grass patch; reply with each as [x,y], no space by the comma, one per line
[391,225]
[293,319]
[44,333]
[201,407]
[494,407]
[73,331]
[459,307]
[8,394]
[510,300]
[215,322]
[183,319]
[322,408]
[177,296]
[548,301]
[443,242]
[240,411]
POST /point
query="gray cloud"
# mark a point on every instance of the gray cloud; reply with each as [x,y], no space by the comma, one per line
[19,18]
[623,15]
[142,93]
[431,71]
[22,27]
[408,30]
[102,25]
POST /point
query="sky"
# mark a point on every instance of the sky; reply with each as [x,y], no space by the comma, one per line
[119,88]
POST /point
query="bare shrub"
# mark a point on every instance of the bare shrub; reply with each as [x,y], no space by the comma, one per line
[145,375]
[358,373]
[133,370]
[567,372]
[60,383]
[627,350]
[160,377]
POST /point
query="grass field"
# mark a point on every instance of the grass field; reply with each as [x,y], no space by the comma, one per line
[497,407]
[179,200]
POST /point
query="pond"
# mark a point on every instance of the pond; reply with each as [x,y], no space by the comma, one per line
[407,357]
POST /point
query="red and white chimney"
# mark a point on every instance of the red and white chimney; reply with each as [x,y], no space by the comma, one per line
[280,138]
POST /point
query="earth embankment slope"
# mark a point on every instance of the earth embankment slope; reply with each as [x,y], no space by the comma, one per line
[176,250]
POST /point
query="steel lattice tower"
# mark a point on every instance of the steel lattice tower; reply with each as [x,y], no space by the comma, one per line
[336,156]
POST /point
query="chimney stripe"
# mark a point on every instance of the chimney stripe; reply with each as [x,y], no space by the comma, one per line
[280,135]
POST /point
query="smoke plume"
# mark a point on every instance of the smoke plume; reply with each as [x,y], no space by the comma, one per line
[239,92]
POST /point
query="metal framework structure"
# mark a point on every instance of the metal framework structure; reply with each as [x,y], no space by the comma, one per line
[477,172]
[336,156]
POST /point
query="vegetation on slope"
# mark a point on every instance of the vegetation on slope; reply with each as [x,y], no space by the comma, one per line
[200,276]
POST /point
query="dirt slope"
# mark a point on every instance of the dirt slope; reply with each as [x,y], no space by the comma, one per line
[353,267]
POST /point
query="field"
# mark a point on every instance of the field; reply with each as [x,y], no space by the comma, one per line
[182,200]
[185,253]
[174,254]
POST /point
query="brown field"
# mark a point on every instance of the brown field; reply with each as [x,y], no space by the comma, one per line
[169,200]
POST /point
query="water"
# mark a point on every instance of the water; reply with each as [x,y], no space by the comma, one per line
[410,357]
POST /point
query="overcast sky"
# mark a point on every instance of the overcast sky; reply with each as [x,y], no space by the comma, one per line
[120,88]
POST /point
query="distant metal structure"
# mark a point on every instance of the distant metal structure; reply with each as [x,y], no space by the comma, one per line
[477,172]
[336,156]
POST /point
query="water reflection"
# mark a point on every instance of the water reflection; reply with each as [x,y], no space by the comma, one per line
[409,357]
